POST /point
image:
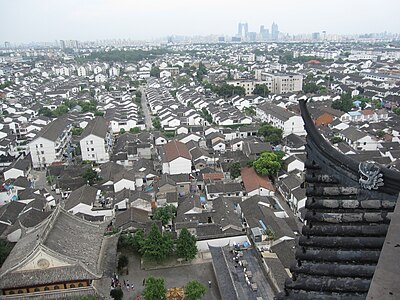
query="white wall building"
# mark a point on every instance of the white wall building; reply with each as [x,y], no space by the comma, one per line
[96,141]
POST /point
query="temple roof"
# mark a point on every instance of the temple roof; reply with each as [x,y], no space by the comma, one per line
[74,243]
[348,210]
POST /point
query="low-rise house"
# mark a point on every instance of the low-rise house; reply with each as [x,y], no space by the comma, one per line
[220,189]
[358,140]
[21,167]
[281,118]
[255,184]
[89,203]
[176,158]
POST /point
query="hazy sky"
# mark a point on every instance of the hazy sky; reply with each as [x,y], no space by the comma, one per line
[49,20]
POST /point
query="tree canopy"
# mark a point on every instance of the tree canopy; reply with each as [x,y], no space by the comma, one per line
[155,72]
[157,246]
[154,288]
[226,90]
[201,71]
[186,245]
[261,90]
[194,290]
[268,163]
[164,213]
[234,169]
[270,133]
[345,103]
[310,87]
[90,176]
[117,294]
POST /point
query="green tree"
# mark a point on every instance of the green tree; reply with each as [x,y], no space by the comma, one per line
[47,112]
[336,140]
[250,111]
[154,288]
[138,240]
[122,262]
[164,213]
[234,169]
[261,90]
[156,123]
[270,133]
[345,103]
[61,110]
[117,294]
[122,131]
[77,131]
[155,72]
[310,87]
[186,245]
[90,176]
[134,130]
[157,246]
[397,111]
[99,113]
[268,164]
[201,71]
[194,290]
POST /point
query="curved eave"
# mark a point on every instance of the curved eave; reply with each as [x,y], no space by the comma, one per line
[339,160]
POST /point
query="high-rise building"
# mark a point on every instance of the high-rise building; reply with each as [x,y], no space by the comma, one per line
[7,45]
[62,44]
[316,36]
[264,33]
[246,29]
[252,36]
[324,35]
[243,30]
[274,31]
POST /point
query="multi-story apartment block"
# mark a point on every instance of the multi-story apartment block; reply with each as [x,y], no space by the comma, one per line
[96,141]
[50,144]
[280,83]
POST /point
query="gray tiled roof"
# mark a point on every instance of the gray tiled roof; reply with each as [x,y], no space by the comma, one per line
[53,130]
[98,127]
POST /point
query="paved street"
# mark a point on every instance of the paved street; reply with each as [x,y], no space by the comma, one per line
[146,111]
[174,277]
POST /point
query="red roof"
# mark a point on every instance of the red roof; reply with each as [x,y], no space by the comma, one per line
[253,181]
[175,149]
[313,61]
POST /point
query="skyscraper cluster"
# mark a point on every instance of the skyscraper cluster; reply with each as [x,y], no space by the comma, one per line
[264,35]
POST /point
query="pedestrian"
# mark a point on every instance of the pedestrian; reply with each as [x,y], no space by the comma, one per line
[144,281]
[209,283]
[132,287]
[124,282]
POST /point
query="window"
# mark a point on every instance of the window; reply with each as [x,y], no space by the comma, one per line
[41,145]
[46,288]
[91,142]
[88,149]
[93,155]
[42,152]
[72,285]
[92,149]
[80,284]
[37,289]
[56,287]
[87,142]
[20,291]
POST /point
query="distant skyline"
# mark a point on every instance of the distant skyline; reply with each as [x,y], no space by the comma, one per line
[49,20]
